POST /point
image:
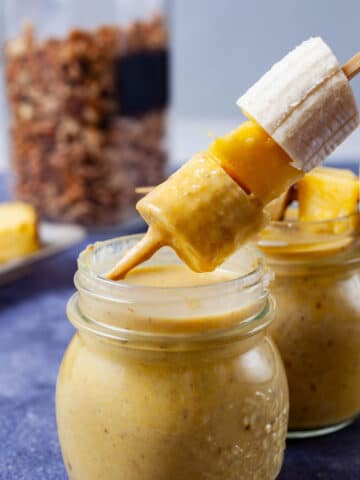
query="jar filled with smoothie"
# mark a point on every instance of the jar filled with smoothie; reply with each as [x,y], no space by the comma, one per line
[171,374]
[317,323]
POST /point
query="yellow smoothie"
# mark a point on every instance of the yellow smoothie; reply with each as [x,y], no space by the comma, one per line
[317,322]
[177,275]
[205,399]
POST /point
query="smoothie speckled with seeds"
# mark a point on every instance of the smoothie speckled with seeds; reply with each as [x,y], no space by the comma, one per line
[171,374]
[317,321]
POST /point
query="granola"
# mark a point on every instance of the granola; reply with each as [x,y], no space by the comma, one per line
[77,152]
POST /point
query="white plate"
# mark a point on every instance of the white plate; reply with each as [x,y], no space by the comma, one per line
[54,238]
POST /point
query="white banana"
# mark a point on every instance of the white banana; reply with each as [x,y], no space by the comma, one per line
[305,103]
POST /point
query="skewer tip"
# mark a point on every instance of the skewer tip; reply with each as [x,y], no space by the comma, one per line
[141,252]
[352,66]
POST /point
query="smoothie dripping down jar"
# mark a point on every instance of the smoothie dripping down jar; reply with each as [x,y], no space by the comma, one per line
[87,89]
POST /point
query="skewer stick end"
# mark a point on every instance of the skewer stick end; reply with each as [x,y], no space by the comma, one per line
[352,66]
[142,251]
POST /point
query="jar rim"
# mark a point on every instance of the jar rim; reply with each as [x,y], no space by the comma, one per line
[172,311]
[250,326]
[324,241]
[296,222]
[85,258]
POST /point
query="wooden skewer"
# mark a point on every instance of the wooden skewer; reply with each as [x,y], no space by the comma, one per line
[151,242]
[352,66]
[143,190]
[142,251]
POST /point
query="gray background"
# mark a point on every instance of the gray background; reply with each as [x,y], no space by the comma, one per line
[223,46]
[220,47]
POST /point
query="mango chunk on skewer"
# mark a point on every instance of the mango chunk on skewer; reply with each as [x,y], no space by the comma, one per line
[327,193]
[255,161]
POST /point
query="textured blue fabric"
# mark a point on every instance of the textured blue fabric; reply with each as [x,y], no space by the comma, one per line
[34,333]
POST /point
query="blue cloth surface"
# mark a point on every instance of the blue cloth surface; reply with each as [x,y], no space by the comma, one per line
[34,333]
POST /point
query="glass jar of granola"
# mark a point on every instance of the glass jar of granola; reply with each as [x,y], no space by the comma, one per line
[87,90]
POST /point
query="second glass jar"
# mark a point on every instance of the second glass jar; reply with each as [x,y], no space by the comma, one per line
[317,324]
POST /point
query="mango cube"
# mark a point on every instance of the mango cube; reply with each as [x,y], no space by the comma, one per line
[255,161]
[327,193]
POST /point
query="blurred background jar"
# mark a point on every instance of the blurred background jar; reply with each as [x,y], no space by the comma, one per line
[87,89]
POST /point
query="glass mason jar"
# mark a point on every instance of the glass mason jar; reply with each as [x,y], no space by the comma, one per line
[87,90]
[171,383]
[317,322]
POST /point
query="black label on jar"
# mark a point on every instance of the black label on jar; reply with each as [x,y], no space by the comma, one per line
[142,81]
